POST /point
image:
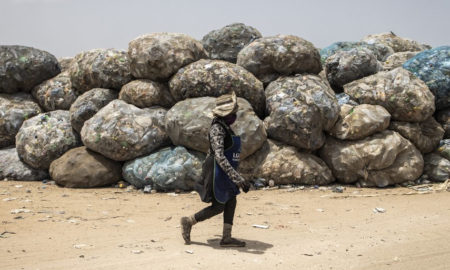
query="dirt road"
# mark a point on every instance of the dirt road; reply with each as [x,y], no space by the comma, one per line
[48,227]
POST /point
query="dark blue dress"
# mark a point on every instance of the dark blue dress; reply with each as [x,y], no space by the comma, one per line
[224,189]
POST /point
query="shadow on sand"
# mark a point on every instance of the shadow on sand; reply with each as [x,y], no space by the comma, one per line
[252,246]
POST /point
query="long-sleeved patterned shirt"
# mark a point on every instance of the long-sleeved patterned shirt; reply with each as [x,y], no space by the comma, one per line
[217,135]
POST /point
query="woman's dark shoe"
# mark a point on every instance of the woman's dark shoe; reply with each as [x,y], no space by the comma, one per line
[186,226]
[227,240]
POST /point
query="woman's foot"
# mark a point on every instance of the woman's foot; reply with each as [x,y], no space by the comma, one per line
[186,226]
[231,242]
[227,240]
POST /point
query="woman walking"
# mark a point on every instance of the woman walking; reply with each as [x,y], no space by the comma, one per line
[220,180]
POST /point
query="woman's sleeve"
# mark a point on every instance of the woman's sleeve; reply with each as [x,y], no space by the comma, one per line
[217,136]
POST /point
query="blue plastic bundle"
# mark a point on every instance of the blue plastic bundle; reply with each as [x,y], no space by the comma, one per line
[444,149]
[170,168]
[381,51]
[433,67]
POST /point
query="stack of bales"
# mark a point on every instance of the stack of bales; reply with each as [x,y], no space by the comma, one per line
[143,115]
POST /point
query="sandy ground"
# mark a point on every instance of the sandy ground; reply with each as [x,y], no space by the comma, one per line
[111,228]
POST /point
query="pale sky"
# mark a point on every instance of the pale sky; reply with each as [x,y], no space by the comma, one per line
[67,27]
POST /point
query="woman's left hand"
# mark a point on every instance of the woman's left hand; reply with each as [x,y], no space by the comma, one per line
[245,187]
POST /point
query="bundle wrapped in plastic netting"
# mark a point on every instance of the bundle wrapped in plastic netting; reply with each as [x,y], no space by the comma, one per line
[171,168]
